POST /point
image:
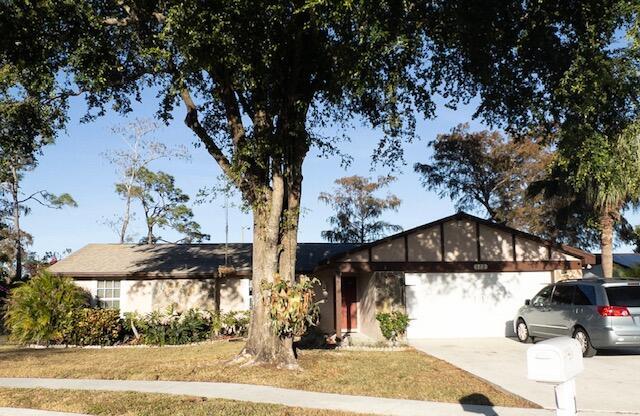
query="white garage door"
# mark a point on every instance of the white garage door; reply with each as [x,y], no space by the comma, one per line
[456,305]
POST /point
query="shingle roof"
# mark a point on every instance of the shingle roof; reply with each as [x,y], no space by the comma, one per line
[177,260]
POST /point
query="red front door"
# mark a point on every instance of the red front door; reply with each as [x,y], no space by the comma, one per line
[349,304]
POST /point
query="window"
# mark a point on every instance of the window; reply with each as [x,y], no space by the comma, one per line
[563,295]
[108,294]
[628,296]
[585,295]
[542,298]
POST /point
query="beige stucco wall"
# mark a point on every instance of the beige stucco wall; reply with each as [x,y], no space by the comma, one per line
[460,241]
[389,251]
[358,256]
[145,295]
[91,286]
[558,255]
[495,245]
[528,250]
[327,312]
[559,275]
[424,245]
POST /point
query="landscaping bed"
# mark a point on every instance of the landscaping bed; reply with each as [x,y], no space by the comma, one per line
[139,404]
[404,374]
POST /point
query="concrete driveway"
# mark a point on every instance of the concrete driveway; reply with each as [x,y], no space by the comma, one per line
[610,382]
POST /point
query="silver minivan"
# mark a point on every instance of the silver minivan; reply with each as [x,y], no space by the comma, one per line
[599,313]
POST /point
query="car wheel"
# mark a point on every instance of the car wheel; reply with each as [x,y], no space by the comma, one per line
[582,337]
[522,331]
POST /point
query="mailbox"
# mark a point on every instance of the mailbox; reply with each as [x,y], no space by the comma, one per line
[556,360]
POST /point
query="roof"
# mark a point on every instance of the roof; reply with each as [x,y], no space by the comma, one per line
[585,256]
[628,260]
[177,260]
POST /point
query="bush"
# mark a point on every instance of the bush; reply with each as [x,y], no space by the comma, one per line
[176,328]
[94,327]
[40,310]
[393,325]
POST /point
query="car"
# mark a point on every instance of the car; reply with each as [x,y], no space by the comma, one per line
[599,313]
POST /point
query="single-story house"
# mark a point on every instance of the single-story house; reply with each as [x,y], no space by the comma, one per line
[623,263]
[460,276]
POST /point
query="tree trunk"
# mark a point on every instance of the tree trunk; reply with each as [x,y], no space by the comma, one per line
[607,223]
[125,219]
[16,224]
[263,346]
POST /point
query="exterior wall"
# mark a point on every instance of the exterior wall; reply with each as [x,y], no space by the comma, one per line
[559,275]
[367,323]
[389,251]
[146,295]
[425,245]
[557,255]
[528,250]
[362,255]
[460,241]
[495,244]
[91,286]
[326,292]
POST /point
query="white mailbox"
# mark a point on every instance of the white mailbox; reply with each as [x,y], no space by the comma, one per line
[555,360]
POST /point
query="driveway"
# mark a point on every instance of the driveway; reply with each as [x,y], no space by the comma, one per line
[610,382]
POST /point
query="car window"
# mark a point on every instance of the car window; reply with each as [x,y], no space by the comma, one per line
[624,296]
[543,297]
[585,295]
[563,295]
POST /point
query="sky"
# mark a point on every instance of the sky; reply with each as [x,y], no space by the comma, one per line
[76,164]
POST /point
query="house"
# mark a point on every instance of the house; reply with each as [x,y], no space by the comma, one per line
[460,276]
[624,264]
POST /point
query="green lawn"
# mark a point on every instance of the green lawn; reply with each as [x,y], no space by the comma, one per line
[408,374]
[140,404]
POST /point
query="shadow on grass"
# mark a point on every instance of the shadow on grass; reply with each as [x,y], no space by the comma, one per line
[18,352]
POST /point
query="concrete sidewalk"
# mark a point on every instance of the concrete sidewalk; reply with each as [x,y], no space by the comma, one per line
[287,397]
[12,411]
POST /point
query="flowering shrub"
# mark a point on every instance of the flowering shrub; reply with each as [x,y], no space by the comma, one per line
[94,327]
[393,325]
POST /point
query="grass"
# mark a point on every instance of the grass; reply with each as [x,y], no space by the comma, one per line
[141,404]
[406,375]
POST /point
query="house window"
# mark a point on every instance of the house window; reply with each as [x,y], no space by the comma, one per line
[108,294]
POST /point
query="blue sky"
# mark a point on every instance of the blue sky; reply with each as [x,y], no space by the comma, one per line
[75,164]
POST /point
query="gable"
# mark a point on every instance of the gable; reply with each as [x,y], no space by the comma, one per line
[463,238]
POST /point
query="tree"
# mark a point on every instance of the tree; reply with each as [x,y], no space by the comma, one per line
[18,204]
[163,204]
[358,210]
[489,172]
[140,151]
[257,99]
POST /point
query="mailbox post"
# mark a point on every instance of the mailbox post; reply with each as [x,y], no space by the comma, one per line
[557,361]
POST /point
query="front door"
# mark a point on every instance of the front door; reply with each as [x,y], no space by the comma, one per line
[349,304]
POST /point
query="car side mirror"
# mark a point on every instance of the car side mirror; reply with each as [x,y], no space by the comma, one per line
[527,302]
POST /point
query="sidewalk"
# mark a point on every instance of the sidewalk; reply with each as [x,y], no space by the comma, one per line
[276,395]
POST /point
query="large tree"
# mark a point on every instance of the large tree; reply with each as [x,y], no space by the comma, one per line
[358,209]
[260,79]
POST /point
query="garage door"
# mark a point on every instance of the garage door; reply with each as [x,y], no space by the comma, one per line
[458,305]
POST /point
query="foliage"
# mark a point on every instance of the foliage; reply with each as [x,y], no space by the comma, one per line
[291,305]
[358,209]
[140,151]
[193,325]
[393,324]
[40,310]
[163,204]
[91,326]
[487,171]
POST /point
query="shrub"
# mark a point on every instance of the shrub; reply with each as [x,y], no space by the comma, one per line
[95,327]
[393,325]
[175,328]
[40,310]
[291,306]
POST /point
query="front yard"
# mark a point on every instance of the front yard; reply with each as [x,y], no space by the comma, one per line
[406,375]
[139,404]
